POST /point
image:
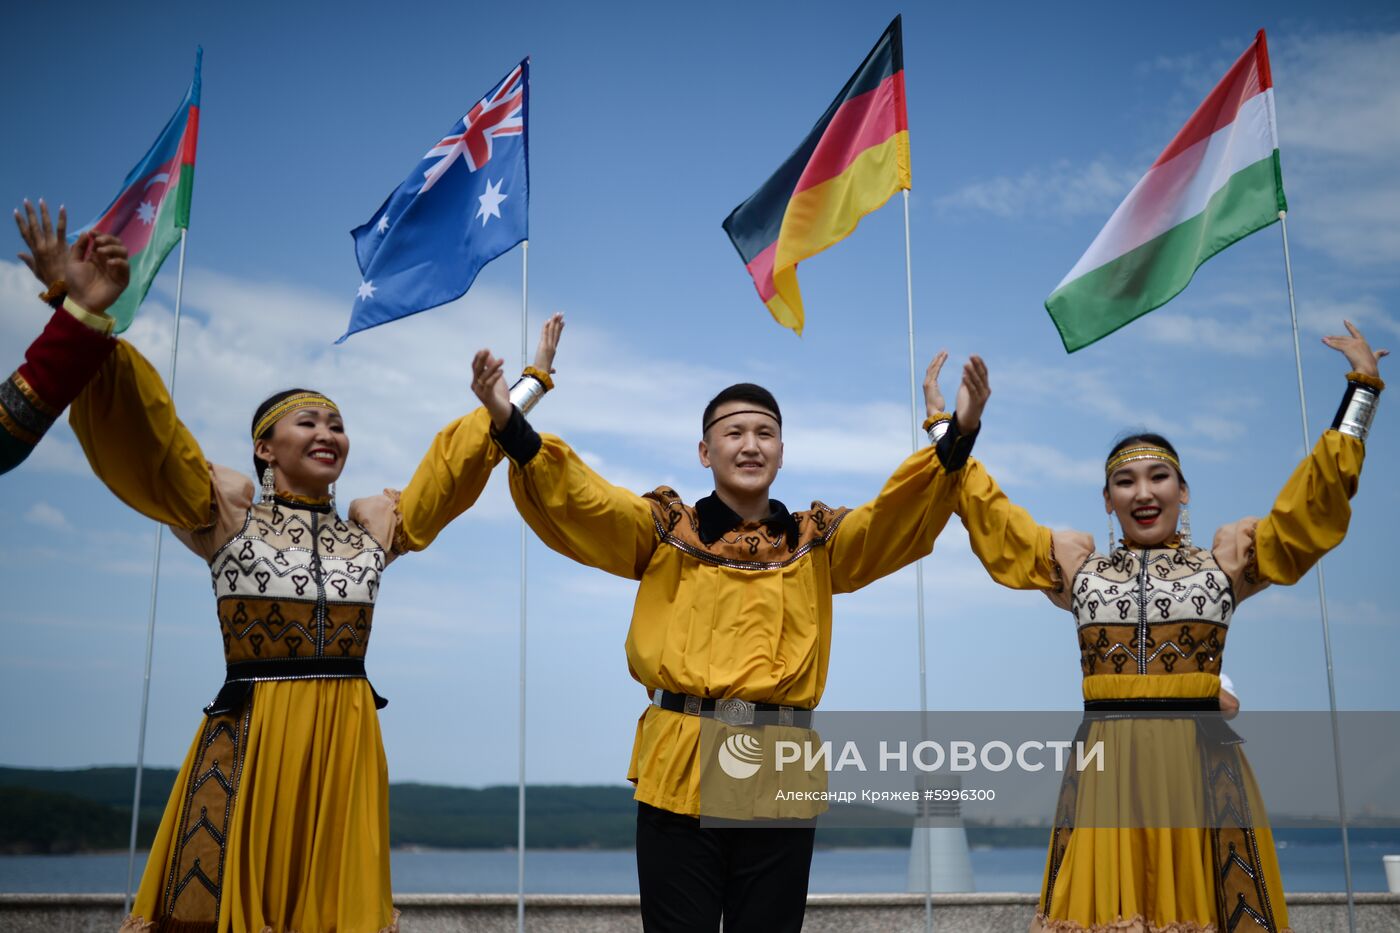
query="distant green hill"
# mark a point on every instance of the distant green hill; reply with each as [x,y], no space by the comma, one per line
[89,809]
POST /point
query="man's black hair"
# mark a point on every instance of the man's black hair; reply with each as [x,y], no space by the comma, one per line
[742,392]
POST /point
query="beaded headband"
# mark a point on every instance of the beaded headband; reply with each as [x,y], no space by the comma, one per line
[289,404]
[1145,452]
[746,411]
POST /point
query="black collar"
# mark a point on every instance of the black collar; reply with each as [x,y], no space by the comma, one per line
[718,519]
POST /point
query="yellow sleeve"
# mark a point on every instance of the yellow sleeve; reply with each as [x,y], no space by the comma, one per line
[581,515]
[126,423]
[1016,550]
[448,480]
[895,528]
[1311,514]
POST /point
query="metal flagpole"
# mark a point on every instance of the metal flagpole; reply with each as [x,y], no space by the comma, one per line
[151,620]
[520,790]
[1321,598]
[919,564]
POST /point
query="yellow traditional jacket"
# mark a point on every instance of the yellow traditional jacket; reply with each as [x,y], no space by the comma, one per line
[725,608]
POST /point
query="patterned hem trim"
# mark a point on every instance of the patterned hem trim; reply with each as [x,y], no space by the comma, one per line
[12,428]
[1137,924]
[44,408]
[393,927]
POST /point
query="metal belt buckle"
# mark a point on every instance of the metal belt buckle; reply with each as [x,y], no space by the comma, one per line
[692,706]
[735,712]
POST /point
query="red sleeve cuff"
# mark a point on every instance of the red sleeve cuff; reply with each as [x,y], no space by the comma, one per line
[57,365]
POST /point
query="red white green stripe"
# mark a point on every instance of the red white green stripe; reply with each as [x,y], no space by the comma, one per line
[1217,182]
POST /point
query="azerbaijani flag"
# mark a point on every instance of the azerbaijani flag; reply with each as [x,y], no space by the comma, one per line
[855,157]
[1217,182]
[154,203]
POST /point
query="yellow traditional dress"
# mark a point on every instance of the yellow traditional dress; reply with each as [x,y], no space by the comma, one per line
[278,821]
[1152,624]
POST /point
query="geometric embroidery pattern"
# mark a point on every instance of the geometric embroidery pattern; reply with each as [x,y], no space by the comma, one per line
[1163,611]
[195,878]
[296,583]
[758,548]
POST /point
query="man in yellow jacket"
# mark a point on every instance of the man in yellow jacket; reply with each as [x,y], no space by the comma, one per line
[732,618]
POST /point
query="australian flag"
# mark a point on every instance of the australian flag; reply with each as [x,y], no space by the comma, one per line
[464,204]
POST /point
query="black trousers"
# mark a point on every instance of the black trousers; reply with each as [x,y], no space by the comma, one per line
[756,879]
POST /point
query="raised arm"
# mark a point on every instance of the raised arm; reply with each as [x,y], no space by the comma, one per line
[569,506]
[1312,512]
[124,417]
[899,525]
[137,445]
[1017,551]
[455,469]
[72,347]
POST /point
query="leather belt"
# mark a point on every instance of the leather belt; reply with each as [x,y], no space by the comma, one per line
[240,676]
[733,711]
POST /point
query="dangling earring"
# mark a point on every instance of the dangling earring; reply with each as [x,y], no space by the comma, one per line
[1110,533]
[332,497]
[268,490]
[1184,533]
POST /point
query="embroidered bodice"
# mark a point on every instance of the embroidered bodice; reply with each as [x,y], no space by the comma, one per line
[1152,611]
[296,582]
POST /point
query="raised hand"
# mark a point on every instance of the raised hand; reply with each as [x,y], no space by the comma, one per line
[549,343]
[48,246]
[972,394]
[96,271]
[933,396]
[489,384]
[1357,351]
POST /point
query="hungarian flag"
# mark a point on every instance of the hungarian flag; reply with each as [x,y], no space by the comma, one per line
[1217,182]
[855,157]
[154,203]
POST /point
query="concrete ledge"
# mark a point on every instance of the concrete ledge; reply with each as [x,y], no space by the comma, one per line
[618,913]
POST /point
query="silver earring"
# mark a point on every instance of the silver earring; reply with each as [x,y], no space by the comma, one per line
[268,491]
[1110,533]
[332,497]
[1185,531]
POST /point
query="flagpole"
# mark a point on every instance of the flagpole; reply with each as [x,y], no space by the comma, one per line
[151,620]
[914,423]
[1321,598]
[520,790]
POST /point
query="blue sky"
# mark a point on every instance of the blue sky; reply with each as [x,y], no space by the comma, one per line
[649,123]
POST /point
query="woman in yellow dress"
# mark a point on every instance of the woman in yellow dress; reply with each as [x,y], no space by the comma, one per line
[278,821]
[1152,616]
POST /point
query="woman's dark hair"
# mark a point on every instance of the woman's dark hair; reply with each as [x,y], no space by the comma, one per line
[1144,438]
[258,463]
[742,392]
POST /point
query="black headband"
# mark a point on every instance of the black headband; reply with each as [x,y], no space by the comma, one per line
[745,411]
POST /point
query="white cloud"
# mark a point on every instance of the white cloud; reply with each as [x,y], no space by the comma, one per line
[46,516]
[1339,93]
[1062,189]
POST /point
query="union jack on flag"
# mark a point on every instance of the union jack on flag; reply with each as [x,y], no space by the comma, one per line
[464,204]
[498,114]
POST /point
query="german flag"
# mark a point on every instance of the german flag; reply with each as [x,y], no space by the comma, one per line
[850,164]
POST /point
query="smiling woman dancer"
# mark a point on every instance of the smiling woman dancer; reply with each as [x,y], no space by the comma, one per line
[1152,616]
[278,821]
